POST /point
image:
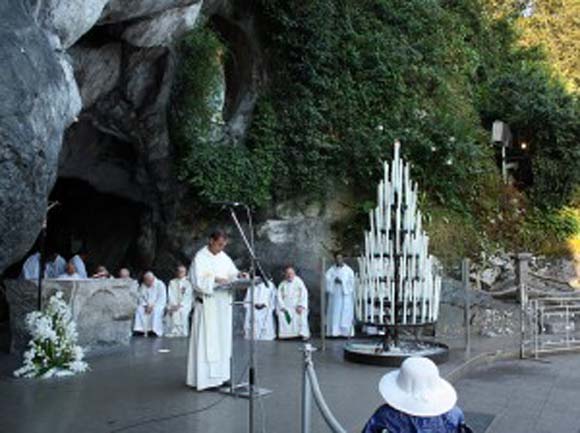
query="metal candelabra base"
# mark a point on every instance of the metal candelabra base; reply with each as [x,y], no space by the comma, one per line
[372,352]
[389,347]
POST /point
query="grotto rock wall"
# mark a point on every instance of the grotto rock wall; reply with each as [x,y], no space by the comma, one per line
[40,99]
[85,91]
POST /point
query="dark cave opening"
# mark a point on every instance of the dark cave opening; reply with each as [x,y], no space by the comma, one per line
[106,225]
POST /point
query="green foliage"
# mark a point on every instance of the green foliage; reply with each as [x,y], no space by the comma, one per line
[548,118]
[215,168]
[198,79]
[348,79]
[547,231]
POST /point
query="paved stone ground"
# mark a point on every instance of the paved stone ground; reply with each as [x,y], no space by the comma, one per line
[526,396]
[130,387]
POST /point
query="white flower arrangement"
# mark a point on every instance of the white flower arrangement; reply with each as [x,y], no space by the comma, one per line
[52,350]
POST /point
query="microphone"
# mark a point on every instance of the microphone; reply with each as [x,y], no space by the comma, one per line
[228,203]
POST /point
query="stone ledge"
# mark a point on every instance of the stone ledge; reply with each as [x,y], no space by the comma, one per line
[102,309]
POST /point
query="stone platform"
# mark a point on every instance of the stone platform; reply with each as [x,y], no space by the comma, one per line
[103,309]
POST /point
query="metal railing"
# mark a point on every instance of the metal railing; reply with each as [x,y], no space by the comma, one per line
[547,323]
[554,324]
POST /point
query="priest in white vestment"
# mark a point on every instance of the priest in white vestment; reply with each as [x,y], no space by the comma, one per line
[55,266]
[179,304]
[264,305]
[340,290]
[79,261]
[31,267]
[70,273]
[210,344]
[292,306]
[152,299]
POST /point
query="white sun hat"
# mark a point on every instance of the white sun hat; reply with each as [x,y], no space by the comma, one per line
[417,389]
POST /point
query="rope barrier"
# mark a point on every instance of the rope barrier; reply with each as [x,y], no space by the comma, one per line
[311,387]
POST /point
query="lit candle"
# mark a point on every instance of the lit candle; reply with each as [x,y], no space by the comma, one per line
[414,298]
[393,303]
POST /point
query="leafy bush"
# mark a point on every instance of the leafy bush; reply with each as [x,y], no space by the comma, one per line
[215,168]
[348,78]
[539,109]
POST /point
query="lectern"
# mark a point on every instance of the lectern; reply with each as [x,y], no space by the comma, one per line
[241,389]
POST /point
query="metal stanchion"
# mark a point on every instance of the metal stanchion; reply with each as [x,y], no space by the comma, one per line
[306,393]
[323,304]
[311,388]
[467,310]
[522,260]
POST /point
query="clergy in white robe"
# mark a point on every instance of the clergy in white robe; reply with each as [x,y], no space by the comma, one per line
[55,266]
[124,273]
[292,306]
[70,272]
[264,305]
[210,344]
[340,290]
[31,267]
[79,263]
[152,297]
[179,304]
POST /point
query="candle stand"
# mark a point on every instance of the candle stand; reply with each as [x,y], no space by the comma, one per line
[398,292]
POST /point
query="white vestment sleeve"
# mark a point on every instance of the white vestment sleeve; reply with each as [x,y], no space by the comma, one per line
[330,281]
[303,294]
[348,284]
[143,296]
[201,276]
[280,305]
[187,298]
[161,294]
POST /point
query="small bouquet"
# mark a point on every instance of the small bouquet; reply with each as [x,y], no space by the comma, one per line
[52,351]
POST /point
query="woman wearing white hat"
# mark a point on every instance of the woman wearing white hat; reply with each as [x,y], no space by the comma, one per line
[418,400]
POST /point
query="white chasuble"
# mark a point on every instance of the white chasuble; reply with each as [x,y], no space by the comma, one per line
[340,310]
[55,268]
[179,305]
[79,266]
[210,344]
[264,304]
[31,267]
[154,297]
[291,295]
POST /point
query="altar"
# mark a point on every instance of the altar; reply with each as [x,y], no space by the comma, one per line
[102,309]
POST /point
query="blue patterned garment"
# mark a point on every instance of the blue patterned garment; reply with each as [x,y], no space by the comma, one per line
[389,420]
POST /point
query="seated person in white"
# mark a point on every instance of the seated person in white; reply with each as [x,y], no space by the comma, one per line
[79,260]
[124,273]
[31,267]
[264,305]
[55,266]
[152,300]
[179,304]
[70,273]
[292,306]
[102,273]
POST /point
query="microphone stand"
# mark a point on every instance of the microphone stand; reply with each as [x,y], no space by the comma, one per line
[254,265]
